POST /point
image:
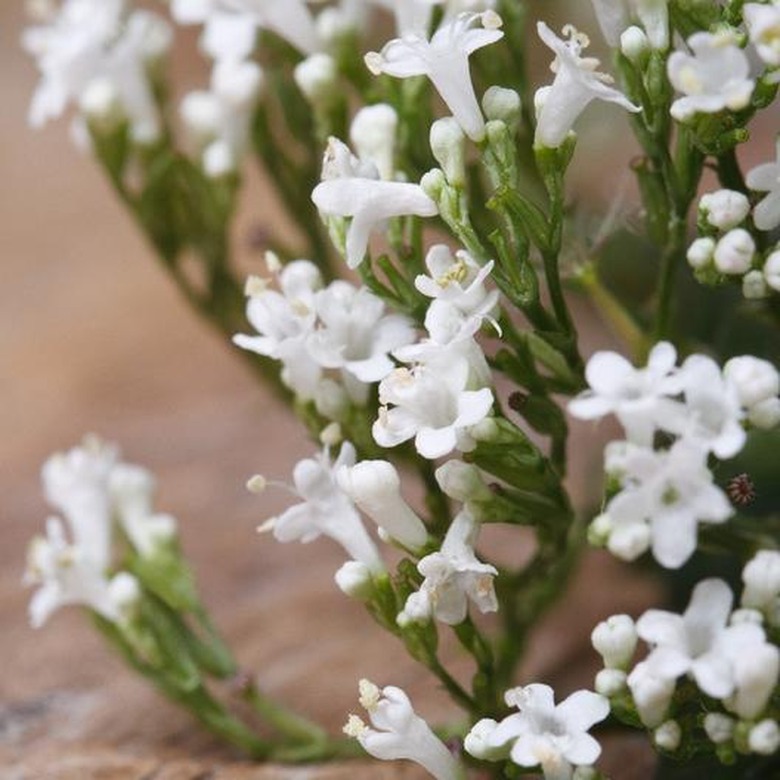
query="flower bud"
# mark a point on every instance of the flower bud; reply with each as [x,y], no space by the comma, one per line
[630,542]
[755,681]
[238,84]
[734,252]
[201,115]
[448,144]
[764,738]
[540,98]
[502,104]
[354,579]
[718,727]
[724,209]
[434,183]
[374,485]
[599,530]
[668,735]
[772,270]
[218,160]
[754,286]
[476,742]
[585,773]
[610,682]
[124,591]
[765,414]
[700,252]
[615,641]
[754,379]
[762,580]
[373,134]
[652,695]
[462,481]
[741,617]
[317,78]
[101,105]
[634,44]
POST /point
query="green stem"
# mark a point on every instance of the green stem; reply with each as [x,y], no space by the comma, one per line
[670,261]
[295,727]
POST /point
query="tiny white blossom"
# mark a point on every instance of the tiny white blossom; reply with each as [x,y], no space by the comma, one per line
[476,744]
[411,16]
[772,270]
[713,78]
[433,405]
[453,577]
[351,190]
[754,286]
[67,575]
[766,178]
[577,83]
[700,252]
[230,26]
[719,727]
[444,60]
[639,398]
[373,134]
[355,334]
[325,509]
[651,692]
[668,735]
[552,736]
[399,733]
[285,320]
[355,580]
[667,493]
[763,24]
[700,642]
[613,17]
[610,682]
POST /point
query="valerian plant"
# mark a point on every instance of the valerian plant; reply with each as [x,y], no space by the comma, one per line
[432,167]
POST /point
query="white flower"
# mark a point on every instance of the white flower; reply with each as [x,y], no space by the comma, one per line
[615,641]
[734,252]
[763,24]
[634,44]
[713,411]
[350,190]
[431,403]
[399,733]
[355,580]
[754,286]
[668,735]
[355,334]
[231,25]
[766,178]
[458,279]
[476,743]
[462,481]
[756,671]
[714,78]
[374,485]
[444,60]
[699,642]
[325,509]
[724,209]
[667,493]
[639,398]
[453,577]
[285,320]
[411,16]
[610,682]
[67,574]
[553,737]
[577,83]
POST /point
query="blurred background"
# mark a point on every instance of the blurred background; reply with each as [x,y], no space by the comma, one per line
[93,338]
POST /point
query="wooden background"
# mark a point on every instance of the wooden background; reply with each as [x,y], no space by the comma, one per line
[93,339]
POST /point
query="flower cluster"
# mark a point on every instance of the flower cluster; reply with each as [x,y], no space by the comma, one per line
[95,494]
[724,653]
[663,493]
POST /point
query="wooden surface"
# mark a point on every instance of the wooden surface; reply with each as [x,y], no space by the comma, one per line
[93,338]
